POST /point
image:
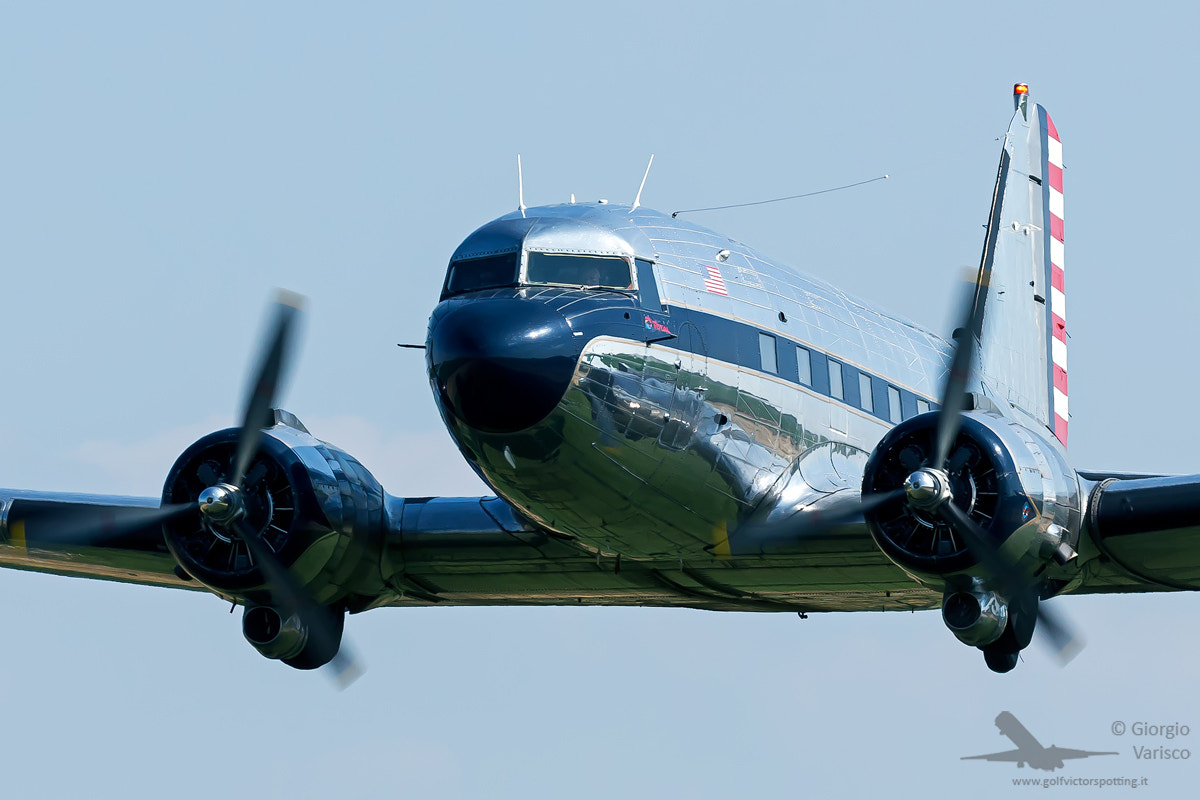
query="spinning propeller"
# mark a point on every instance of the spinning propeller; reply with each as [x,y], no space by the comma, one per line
[929,487]
[938,498]
[222,507]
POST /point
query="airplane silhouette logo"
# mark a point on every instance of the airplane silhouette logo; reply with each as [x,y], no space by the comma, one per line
[1029,750]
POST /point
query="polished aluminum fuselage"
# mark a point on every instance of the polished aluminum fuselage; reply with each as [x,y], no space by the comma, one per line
[677,429]
[686,439]
[681,460]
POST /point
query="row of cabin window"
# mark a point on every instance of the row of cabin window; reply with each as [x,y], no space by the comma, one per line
[871,391]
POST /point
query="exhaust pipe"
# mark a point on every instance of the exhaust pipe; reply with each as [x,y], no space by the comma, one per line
[271,634]
[976,617]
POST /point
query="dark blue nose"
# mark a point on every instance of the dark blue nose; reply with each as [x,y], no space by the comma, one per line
[501,364]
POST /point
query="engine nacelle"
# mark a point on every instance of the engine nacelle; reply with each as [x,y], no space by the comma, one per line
[317,507]
[1013,482]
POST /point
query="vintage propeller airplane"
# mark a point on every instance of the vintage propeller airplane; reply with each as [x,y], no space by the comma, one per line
[670,418]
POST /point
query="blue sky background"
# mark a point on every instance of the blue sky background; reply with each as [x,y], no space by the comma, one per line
[162,169]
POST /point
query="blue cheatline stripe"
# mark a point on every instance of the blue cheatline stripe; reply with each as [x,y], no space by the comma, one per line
[735,342]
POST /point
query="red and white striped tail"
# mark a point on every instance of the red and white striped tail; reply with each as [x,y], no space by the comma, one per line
[1023,334]
[1058,298]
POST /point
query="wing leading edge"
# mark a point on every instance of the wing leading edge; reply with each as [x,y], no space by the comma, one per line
[1146,532]
[460,551]
[92,536]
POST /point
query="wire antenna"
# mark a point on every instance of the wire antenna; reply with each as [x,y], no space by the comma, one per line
[779,199]
[637,201]
[520,187]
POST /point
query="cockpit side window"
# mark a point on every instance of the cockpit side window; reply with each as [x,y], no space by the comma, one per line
[578,270]
[489,272]
[647,288]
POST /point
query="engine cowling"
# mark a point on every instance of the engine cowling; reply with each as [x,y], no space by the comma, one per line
[1007,478]
[314,505]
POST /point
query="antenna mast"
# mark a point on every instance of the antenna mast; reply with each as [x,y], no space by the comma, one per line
[521,187]
[637,201]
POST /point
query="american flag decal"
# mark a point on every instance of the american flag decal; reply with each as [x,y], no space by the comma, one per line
[714,282]
[1058,299]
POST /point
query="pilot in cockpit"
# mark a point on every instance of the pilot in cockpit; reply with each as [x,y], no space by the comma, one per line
[579,270]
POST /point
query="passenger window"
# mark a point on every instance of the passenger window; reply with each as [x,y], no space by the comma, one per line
[922,406]
[766,350]
[578,270]
[894,404]
[804,363]
[835,379]
[864,392]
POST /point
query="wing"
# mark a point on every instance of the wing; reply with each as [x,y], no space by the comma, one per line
[1007,755]
[1062,753]
[478,551]
[455,551]
[93,536]
[1146,530]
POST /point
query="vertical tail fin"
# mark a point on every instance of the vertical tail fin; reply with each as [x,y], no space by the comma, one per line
[1023,339]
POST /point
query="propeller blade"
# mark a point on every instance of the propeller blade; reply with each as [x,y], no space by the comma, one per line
[291,598]
[1063,640]
[90,526]
[1017,588]
[272,368]
[287,593]
[961,368]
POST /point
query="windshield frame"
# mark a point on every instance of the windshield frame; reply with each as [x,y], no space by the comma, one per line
[631,272]
[518,259]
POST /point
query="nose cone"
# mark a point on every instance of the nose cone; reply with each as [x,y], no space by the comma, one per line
[501,364]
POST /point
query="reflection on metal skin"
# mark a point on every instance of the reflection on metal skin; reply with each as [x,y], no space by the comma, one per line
[818,480]
[501,364]
[678,449]
[1057,540]
[680,453]
[977,617]
[272,635]
[221,504]
[927,488]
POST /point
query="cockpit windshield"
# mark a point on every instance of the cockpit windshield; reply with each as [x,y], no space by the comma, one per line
[489,272]
[578,270]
